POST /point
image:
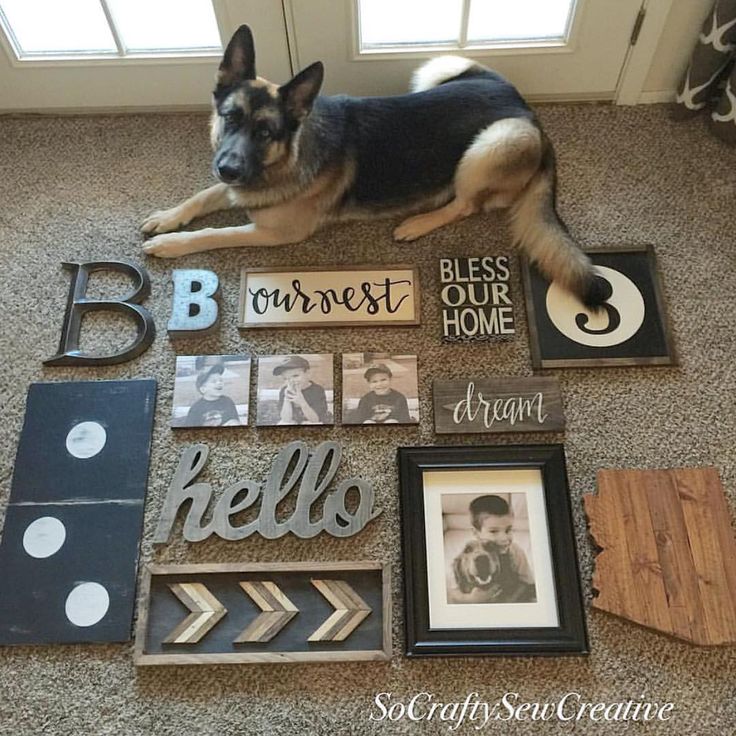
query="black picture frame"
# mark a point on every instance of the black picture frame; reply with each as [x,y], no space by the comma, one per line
[570,636]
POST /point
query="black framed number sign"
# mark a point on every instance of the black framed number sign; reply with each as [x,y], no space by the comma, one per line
[490,566]
[631,329]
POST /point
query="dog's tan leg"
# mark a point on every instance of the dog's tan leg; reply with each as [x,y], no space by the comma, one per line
[495,168]
[203,203]
[171,245]
[282,224]
[419,225]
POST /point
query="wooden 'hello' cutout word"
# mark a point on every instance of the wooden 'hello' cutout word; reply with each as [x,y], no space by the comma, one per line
[668,557]
[294,465]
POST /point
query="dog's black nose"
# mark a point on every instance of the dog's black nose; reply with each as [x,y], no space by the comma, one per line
[228,172]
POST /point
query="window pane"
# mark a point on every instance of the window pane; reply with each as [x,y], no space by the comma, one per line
[521,20]
[54,26]
[162,25]
[391,22]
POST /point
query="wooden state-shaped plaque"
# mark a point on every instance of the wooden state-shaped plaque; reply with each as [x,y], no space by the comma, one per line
[668,558]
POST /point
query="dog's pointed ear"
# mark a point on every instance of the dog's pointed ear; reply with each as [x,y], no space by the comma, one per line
[239,60]
[299,93]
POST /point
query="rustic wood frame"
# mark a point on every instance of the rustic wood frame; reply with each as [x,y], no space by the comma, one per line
[538,363]
[242,325]
[570,637]
[141,658]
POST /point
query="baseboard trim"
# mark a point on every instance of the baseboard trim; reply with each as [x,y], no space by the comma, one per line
[653,98]
[645,98]
[123,110]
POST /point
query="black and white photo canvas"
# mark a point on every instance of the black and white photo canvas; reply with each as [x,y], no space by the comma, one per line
[493,568]
[379,388]
[69,549]
[296,389]
[211,391]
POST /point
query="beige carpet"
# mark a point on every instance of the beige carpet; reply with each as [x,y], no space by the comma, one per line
[76,188]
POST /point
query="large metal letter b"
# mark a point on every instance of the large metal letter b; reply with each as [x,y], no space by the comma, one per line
[78,305]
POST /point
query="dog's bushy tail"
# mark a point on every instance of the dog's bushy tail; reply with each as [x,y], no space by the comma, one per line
[544,238]
[443,69]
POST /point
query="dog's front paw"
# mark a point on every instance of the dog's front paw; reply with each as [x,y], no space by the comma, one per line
[164,221]
[169,245]
[412,228]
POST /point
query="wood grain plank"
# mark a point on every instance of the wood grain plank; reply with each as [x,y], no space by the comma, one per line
[668,553]
[622,598]
[643,555]
[678,569]
[701,521]
[723,531]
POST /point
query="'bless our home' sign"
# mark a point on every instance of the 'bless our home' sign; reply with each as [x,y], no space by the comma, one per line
[475,405]
[476,304]
[329,296]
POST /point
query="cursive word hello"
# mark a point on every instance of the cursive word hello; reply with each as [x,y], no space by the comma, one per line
[294,465]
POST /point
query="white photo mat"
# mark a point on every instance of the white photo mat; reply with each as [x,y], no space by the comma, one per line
[443,615]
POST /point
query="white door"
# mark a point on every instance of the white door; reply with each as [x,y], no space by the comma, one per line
[127,54]
[564,49]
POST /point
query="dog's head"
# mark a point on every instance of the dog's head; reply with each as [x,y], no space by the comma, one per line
[255,123]
[475,567]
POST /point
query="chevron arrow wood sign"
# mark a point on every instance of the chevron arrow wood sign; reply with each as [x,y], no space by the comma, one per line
[267,612]
[350,610]
[277,609]
[205,609]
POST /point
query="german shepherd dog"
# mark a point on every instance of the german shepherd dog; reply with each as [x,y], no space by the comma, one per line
[475,567]
[462,141]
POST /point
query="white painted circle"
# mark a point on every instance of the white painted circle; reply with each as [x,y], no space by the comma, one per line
[87,604]
[44,537]
[626,298]
[86,439]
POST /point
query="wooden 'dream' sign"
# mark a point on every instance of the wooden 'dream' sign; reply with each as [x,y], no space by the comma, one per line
[668,553]
[266,612]
[480,405]
[334,296]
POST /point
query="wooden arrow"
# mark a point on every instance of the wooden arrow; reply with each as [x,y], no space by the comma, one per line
[277,609]
[205,609]
[350,611]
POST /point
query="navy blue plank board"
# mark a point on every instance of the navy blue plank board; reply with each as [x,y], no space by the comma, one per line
[69,550]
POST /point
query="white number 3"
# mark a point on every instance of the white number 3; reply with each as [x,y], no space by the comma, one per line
[619,320]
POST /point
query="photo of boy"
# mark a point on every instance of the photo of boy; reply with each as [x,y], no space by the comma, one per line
[211,391]
[382,404]
[492,567]
[370,391]
[300,399]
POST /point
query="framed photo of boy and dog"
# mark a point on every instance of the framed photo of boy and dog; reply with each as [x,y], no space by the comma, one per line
[490,566]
